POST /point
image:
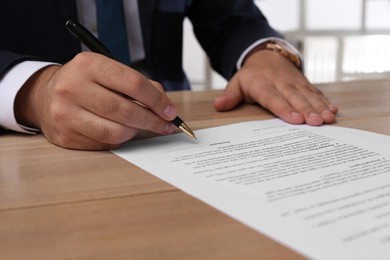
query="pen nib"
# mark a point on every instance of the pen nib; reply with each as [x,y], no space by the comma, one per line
[187,130]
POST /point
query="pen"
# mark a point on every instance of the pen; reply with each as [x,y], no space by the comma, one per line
[89,40]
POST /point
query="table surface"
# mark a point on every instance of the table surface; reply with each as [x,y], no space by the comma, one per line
[57,203]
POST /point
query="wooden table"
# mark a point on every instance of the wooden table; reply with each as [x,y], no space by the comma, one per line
[57,203]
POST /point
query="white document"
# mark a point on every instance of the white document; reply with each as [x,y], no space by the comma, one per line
[322,191]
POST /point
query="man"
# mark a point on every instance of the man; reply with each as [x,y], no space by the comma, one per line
[81,104]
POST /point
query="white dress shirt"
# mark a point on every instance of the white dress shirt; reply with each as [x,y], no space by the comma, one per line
[14,79]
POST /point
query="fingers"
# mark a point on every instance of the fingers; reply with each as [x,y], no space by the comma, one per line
[231,97]
[116,108]
[309,102]
[293,104]
[122,79]
[271,99]
[77,141]
[296,105]
[85,104]
[273,82]
[89,131]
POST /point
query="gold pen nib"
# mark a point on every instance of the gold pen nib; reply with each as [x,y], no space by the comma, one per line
[185,128]
[179,123]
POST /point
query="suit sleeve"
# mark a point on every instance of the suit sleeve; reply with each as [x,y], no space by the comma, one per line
[9,59]
[15,70]
[226,28]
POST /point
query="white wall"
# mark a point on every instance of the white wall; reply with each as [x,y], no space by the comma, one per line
[336,35]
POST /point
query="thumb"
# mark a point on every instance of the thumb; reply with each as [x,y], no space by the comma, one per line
[231,97]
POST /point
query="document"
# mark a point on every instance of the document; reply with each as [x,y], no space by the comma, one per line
[321,191]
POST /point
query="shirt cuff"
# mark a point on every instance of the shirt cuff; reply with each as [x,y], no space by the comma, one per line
[10,85]
[257,43]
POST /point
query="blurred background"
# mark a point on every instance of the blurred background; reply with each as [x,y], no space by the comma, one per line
[339,39]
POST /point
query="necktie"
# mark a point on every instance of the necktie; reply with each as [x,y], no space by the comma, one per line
[112,28]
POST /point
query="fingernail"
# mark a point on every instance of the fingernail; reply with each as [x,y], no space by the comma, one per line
[313,115]
[295,114]
[169,128]
[326,113]
[332,107]
[296,118]
[170,112]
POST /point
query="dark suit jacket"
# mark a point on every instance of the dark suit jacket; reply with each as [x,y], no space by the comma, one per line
[224,28]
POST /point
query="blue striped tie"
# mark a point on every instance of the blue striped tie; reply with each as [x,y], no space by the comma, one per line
[112,28]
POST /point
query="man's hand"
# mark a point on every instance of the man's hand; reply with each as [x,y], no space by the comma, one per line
[84,104]
[269,79]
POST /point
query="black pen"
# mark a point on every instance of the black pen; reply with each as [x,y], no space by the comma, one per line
[89,40]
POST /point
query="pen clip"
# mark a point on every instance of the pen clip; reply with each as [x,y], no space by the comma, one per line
[87,38]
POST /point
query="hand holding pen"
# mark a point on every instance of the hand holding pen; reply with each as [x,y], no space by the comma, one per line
[83,104]
[89,40]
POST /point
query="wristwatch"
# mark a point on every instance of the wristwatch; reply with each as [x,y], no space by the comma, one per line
[282,49]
